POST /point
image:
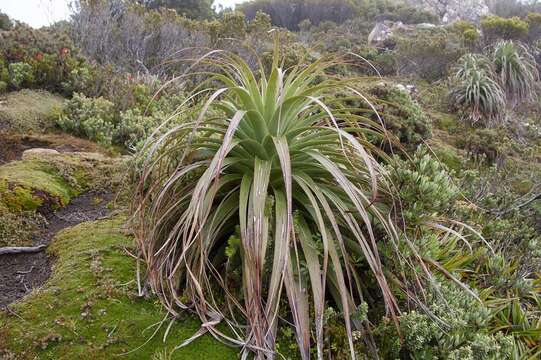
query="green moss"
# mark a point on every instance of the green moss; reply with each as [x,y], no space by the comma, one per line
[449,156]
[89,308]
[522,186]
[27,184]
[446,122]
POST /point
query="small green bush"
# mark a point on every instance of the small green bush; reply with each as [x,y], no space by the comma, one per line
[455,327]
[78,80]
[93,118]
[134,127]
[424,185]
[21,75]
[495,27]
[383,60]
[467,31]
[402,115]
[98,118]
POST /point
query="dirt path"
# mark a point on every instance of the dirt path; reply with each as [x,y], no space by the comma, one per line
[21,273]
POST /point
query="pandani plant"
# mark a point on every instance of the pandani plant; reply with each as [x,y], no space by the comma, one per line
[476,91]
[516,70]
[274,182]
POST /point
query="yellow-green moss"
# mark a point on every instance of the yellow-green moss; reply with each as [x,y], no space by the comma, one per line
[27,184]
[89,308]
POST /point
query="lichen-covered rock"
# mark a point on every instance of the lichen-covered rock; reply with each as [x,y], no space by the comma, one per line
[38,152]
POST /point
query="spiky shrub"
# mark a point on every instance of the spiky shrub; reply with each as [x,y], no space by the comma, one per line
[266,195]
[516,70]
[475,91]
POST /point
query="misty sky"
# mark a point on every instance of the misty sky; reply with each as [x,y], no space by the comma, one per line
[45,12]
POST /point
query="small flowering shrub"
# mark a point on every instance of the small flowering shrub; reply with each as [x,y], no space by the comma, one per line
[98,119]
[93,118]
[454,327]
[134,127]
[78,80]
[20,75]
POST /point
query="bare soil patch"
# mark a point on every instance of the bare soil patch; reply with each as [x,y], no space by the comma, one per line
[20,273]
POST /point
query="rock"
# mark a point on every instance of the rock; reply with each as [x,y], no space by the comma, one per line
[38,152]
[385,30]
[425,26]
[409,89]
[379,33]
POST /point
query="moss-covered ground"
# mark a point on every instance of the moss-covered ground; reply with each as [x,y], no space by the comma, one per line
[89,309]
[27,184]
[43,182]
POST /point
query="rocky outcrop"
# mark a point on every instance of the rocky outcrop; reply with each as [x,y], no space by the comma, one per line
[385,30]
[453,10]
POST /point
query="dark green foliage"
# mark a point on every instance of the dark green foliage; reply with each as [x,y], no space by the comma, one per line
[289,14]
[490,145]
[193,9]
[398,11]
[402,115]
[383,60]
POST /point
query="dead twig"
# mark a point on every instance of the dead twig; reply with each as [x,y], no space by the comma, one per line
[10,250]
